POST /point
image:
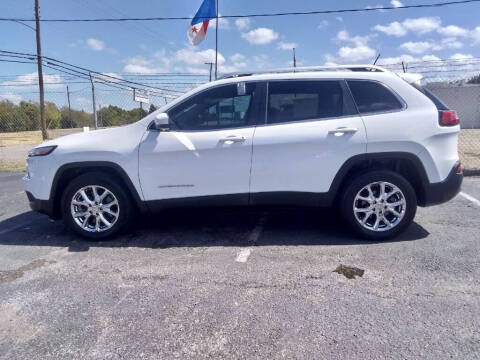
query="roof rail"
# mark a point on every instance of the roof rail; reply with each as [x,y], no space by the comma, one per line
[373,68]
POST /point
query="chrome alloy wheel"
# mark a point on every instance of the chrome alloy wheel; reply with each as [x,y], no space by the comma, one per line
[379,206]
[94,208]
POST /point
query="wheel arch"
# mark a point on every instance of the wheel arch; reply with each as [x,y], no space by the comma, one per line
[406,164]
[67,172]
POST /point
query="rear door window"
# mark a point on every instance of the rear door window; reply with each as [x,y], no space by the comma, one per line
[303,100]
[373,97]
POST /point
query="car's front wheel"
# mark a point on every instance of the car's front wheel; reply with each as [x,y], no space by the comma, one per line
[379,204]
[95,206]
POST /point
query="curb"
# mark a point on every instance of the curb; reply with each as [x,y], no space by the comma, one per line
[471,172]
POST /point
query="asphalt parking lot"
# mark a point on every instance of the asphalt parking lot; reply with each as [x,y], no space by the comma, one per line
[237,284]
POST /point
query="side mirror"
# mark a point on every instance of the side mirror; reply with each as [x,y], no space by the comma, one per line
[162,122]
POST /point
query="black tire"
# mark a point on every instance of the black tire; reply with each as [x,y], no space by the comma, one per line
[106,181]
[357,184]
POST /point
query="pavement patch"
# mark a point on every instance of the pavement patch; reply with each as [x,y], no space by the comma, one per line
[11,275]
[349,272]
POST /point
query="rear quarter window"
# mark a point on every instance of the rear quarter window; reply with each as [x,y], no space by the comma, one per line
[373,97]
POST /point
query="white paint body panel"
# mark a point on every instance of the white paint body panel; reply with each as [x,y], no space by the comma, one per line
[118,145]
[179,164]
[303,156]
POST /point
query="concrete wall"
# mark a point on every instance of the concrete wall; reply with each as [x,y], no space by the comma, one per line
[465,99]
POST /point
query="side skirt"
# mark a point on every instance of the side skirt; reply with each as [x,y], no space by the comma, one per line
[264,199]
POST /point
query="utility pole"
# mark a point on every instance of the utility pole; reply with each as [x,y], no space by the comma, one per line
[40,74]
[95,123]
[216,39]
[101,114]
[211,64]
[69,108]
[294,59]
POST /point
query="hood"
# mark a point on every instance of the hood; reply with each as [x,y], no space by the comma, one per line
[102,138]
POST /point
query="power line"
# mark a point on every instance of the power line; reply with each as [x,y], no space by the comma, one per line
[296,13]
[84,71]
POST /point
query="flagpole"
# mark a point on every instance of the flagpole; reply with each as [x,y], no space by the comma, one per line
[216,38]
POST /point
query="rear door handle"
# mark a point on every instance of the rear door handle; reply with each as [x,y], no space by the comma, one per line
[233,138]
[343,130]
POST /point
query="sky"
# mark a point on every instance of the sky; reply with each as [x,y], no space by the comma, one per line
[244,44]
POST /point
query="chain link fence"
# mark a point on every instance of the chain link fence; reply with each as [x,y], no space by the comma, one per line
[69,109]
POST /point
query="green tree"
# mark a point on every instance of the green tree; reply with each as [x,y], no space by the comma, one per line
[152,108]
[52,115]
[474,80]
[32,112]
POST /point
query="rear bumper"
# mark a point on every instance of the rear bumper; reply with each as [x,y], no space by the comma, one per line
[438,193]
[41,206]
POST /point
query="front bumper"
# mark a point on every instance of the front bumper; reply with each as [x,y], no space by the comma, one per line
[438,193]
[41,206]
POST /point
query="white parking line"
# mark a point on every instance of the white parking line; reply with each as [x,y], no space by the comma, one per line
[242,255]
[470,198]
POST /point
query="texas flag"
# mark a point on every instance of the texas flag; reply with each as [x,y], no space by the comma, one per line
[198,27]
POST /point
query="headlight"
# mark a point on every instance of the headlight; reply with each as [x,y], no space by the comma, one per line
[41,151]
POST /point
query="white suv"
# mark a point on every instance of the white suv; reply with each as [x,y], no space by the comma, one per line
[373,142]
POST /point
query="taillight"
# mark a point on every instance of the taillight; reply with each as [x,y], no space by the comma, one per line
[459,169]
[448,118]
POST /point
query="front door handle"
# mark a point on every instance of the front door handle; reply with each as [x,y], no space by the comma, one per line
[233,138]
[343,130]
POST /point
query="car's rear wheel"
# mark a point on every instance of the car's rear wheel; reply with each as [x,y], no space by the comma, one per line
[95,206]
[379,205]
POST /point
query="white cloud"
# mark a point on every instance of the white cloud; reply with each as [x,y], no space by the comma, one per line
[361,52]
[260,36]
[140,65]
[452,31]
[323,24]
[393,29]
[261,61]
[31,80]
[430,58]
[192,57]
[224,23]
[419,47]
[242,24]
[14,98]
[287,45]
[475,34]
[396,3]
[459,56]
[422,25]
[357,49]
[95,44]
[239,61]
[237,57]
[344,36]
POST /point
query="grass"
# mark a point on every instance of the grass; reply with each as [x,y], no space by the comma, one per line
[31,137]
[13,166]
